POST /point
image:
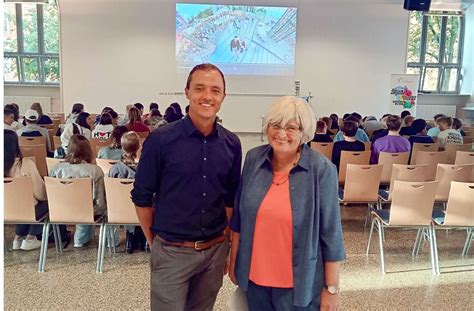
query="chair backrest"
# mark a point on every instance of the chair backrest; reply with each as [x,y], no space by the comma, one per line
[468,140]
[52,162]
[352,157]
[120,208]
[452,149]
[39,152]
[57,115]
[323,148]
[421,147]
[32,141]
[387,160]
[105,165]
[368,145]
[47,126]
[447,173]
[414,173]
[98,143]
[460,208]
[432,158]
[464,157]
[70,200]
[56,142]
[19,203]
[362,183]
[412,203]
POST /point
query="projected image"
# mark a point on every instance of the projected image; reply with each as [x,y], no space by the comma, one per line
[240,39]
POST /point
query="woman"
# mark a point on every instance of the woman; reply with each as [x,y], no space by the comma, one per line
[114,151]
[135,121]
[126,168]
[285,250]
[78,164]
[15,166]
[81,126]
[77,108]
[42,118]
[16,125]
[104,129]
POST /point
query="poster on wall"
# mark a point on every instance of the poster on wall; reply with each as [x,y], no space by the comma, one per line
[403,93]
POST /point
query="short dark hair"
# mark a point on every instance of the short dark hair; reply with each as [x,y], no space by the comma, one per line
[14,108]
[7,112]
[386,115]
[418,125]
[437,116]
[328,121]
[349,128]
[457,123]
[154,106]
[405,113]
[320,125]
[155,113]
[357,115]
[345,116]
[204,67]
[139,106]
[113,114]
[394,123]
[446,120]
[105,118]
[351,118]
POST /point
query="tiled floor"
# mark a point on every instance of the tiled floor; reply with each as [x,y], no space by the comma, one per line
[70,281]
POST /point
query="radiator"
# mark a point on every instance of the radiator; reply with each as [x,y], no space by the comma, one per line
[427,112]
[24,102]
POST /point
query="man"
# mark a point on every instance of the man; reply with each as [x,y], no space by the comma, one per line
[407,130]
[393,142]
[434,131]
[32,129]
[448,135]
[360,135]
[8,118]
[187,176]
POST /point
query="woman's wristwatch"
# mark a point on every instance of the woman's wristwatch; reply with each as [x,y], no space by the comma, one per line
[333,290]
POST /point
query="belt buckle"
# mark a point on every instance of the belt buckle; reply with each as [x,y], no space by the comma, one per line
[196,245]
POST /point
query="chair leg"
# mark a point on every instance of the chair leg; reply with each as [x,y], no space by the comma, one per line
[420,240]
[433,251]
[55,236]
[44,247]
[414,252]
[102,250]
[99,250]
[467,245]
[370,235]
[381,240]
[60,241]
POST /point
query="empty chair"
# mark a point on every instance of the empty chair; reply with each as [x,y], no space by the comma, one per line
[414,173]
[356,191]
[39,152]
[432,159]
[452,149]
[412,206]
[323,148]
[352,157]
[63,209]
[421,147]
[459,213]
[121,210]
[105,165]
[19,208]
[464,157]
[446,173]
[387,160]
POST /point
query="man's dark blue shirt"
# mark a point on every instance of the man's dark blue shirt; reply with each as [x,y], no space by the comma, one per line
[189,179]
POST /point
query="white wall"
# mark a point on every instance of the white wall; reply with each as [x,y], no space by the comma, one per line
[119,52]
[41,91]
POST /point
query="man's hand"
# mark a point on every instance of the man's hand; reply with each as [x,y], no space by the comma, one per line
[329,302]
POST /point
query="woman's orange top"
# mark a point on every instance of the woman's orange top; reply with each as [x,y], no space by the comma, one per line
[271,260]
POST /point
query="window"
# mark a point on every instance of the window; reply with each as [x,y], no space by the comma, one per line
[31,44]
[435,50]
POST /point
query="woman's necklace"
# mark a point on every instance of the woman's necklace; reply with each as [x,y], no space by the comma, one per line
[287,176]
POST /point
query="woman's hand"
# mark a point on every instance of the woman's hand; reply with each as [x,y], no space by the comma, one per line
[329,302]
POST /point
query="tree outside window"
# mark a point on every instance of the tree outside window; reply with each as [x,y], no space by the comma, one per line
[435,50]
[31,43]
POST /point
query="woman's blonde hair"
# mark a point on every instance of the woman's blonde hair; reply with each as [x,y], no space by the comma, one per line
[130,142]
[288,108]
